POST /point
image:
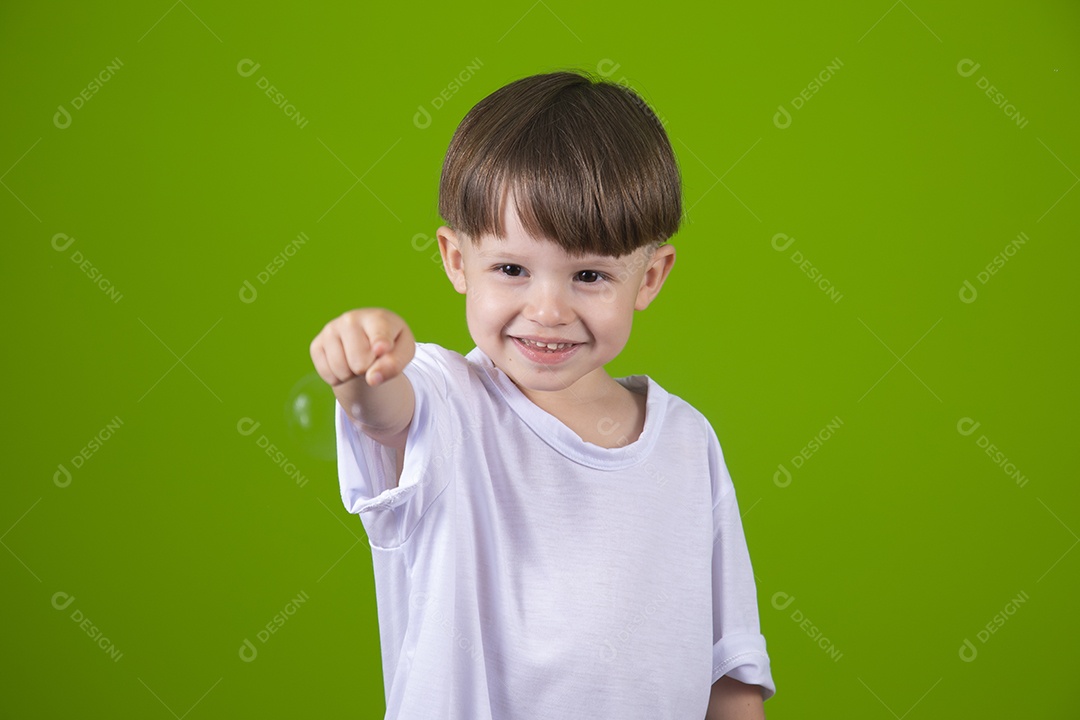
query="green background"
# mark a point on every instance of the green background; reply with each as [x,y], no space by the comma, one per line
[898,539]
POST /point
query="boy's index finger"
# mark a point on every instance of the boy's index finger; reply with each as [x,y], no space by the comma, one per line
[380,335]
[380,346]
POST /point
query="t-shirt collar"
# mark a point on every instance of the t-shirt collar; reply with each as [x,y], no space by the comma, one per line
[564,440]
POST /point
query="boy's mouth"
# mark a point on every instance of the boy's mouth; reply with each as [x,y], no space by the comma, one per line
[549,346]
[545,351]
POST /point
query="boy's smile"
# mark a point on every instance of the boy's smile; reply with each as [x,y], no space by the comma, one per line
[547,319]
[547,351]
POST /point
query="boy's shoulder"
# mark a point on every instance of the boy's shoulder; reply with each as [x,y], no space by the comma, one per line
[437,361]
[683,414]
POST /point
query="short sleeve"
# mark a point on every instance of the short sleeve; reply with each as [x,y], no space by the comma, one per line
[738,645]
[367,470]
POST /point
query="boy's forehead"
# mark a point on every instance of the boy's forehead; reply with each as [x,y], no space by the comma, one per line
[520,245]
[517,239]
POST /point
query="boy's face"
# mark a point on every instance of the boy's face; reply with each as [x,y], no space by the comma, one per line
[521,291]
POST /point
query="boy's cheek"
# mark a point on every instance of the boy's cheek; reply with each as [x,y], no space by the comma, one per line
[619,298]
[478,296]
[486,307]
[493,295]
[609,294]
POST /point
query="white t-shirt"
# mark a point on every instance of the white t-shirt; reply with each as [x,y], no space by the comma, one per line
[521,572]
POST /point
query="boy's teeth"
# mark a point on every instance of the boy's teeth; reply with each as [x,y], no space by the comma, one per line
[548,346]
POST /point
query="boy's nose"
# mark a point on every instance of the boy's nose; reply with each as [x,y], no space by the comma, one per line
[548,305]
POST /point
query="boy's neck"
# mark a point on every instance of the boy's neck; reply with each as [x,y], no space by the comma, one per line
[592,409]
[596,388]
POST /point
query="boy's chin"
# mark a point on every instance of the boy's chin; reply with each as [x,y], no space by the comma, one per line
[531,380]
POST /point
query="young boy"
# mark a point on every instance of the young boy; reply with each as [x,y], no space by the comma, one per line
[547,541]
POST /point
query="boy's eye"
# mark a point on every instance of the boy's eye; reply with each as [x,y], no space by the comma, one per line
[511,270]
[589,276]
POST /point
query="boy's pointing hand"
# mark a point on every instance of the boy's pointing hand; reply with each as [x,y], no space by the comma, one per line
[372,342]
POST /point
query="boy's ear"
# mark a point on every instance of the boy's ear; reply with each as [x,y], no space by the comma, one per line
[453,262]
[656,273]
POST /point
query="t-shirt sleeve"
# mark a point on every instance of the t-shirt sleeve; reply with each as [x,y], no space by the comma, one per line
[367,470]
[738,645]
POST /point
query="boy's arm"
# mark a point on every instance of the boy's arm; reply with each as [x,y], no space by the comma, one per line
[362,354]
[733,700]
[383,413]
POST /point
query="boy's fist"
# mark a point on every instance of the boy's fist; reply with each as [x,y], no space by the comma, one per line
[372,342]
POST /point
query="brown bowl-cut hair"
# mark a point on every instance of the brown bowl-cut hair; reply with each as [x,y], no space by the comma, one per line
[585,161]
